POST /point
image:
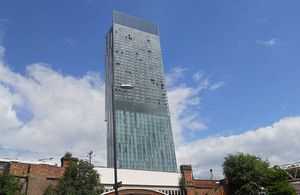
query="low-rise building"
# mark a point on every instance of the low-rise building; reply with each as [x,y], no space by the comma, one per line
[141,181]
[37,176]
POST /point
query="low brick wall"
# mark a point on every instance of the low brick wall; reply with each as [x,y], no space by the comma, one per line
[18,169]
[36,178]
[46,171]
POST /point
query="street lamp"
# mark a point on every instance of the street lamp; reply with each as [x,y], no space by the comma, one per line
[122,86]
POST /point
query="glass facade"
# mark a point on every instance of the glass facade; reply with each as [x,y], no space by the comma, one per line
[143,128]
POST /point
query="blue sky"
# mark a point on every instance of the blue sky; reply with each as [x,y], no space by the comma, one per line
[232,70]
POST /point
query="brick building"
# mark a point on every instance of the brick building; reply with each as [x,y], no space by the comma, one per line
[202,187]
[35,177]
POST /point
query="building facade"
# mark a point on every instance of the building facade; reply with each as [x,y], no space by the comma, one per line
[141,181]
[200,186]
[35,176]
[133,57]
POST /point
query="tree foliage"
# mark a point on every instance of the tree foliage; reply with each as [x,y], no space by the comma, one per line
[275,182]
[9,184]
[50,190]
[182,184]
[68,154]
[246,174]
[80,178]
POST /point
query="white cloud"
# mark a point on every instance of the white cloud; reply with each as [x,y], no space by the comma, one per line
[278,143]
[175,74]
[198,75]
[217,85]
[184,106]
[66,113]
[181,99]
[197,126]
[8,119]
[269,43]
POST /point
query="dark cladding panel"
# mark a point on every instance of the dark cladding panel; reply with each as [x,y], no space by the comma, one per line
[136,23]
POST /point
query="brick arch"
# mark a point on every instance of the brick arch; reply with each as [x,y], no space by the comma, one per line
[136,192]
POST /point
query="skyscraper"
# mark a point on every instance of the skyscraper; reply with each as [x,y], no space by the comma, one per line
[133,57]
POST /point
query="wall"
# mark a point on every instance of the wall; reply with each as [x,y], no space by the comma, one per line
[36,177]
[202,187]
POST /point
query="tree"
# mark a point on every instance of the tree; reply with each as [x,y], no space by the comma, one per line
[9,184]
[68,154]
[275,182]
[80,179]
[246,174]
[182,184]
[50,190]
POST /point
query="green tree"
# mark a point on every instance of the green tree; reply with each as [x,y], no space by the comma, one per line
[275,182]
[68,154]
[182,184]
[246,174]
[50,190]
[80,179]
[9,184]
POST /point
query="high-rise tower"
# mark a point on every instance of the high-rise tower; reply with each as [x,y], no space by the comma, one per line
[144,137]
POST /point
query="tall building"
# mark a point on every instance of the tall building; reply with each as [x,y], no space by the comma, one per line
[144,137]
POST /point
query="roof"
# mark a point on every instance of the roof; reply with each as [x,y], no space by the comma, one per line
[25,161]
[136,23]
[292,169]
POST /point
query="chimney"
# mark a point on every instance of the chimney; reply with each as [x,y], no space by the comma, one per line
[187,173]
[66,160]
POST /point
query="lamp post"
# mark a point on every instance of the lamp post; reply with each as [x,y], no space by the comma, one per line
[122,86]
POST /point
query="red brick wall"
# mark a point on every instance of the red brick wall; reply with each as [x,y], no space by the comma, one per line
[18,169]
[46,171]
[207,183]
[36,177]
[200,186]
[206,186]
[38,184]
[37,170]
